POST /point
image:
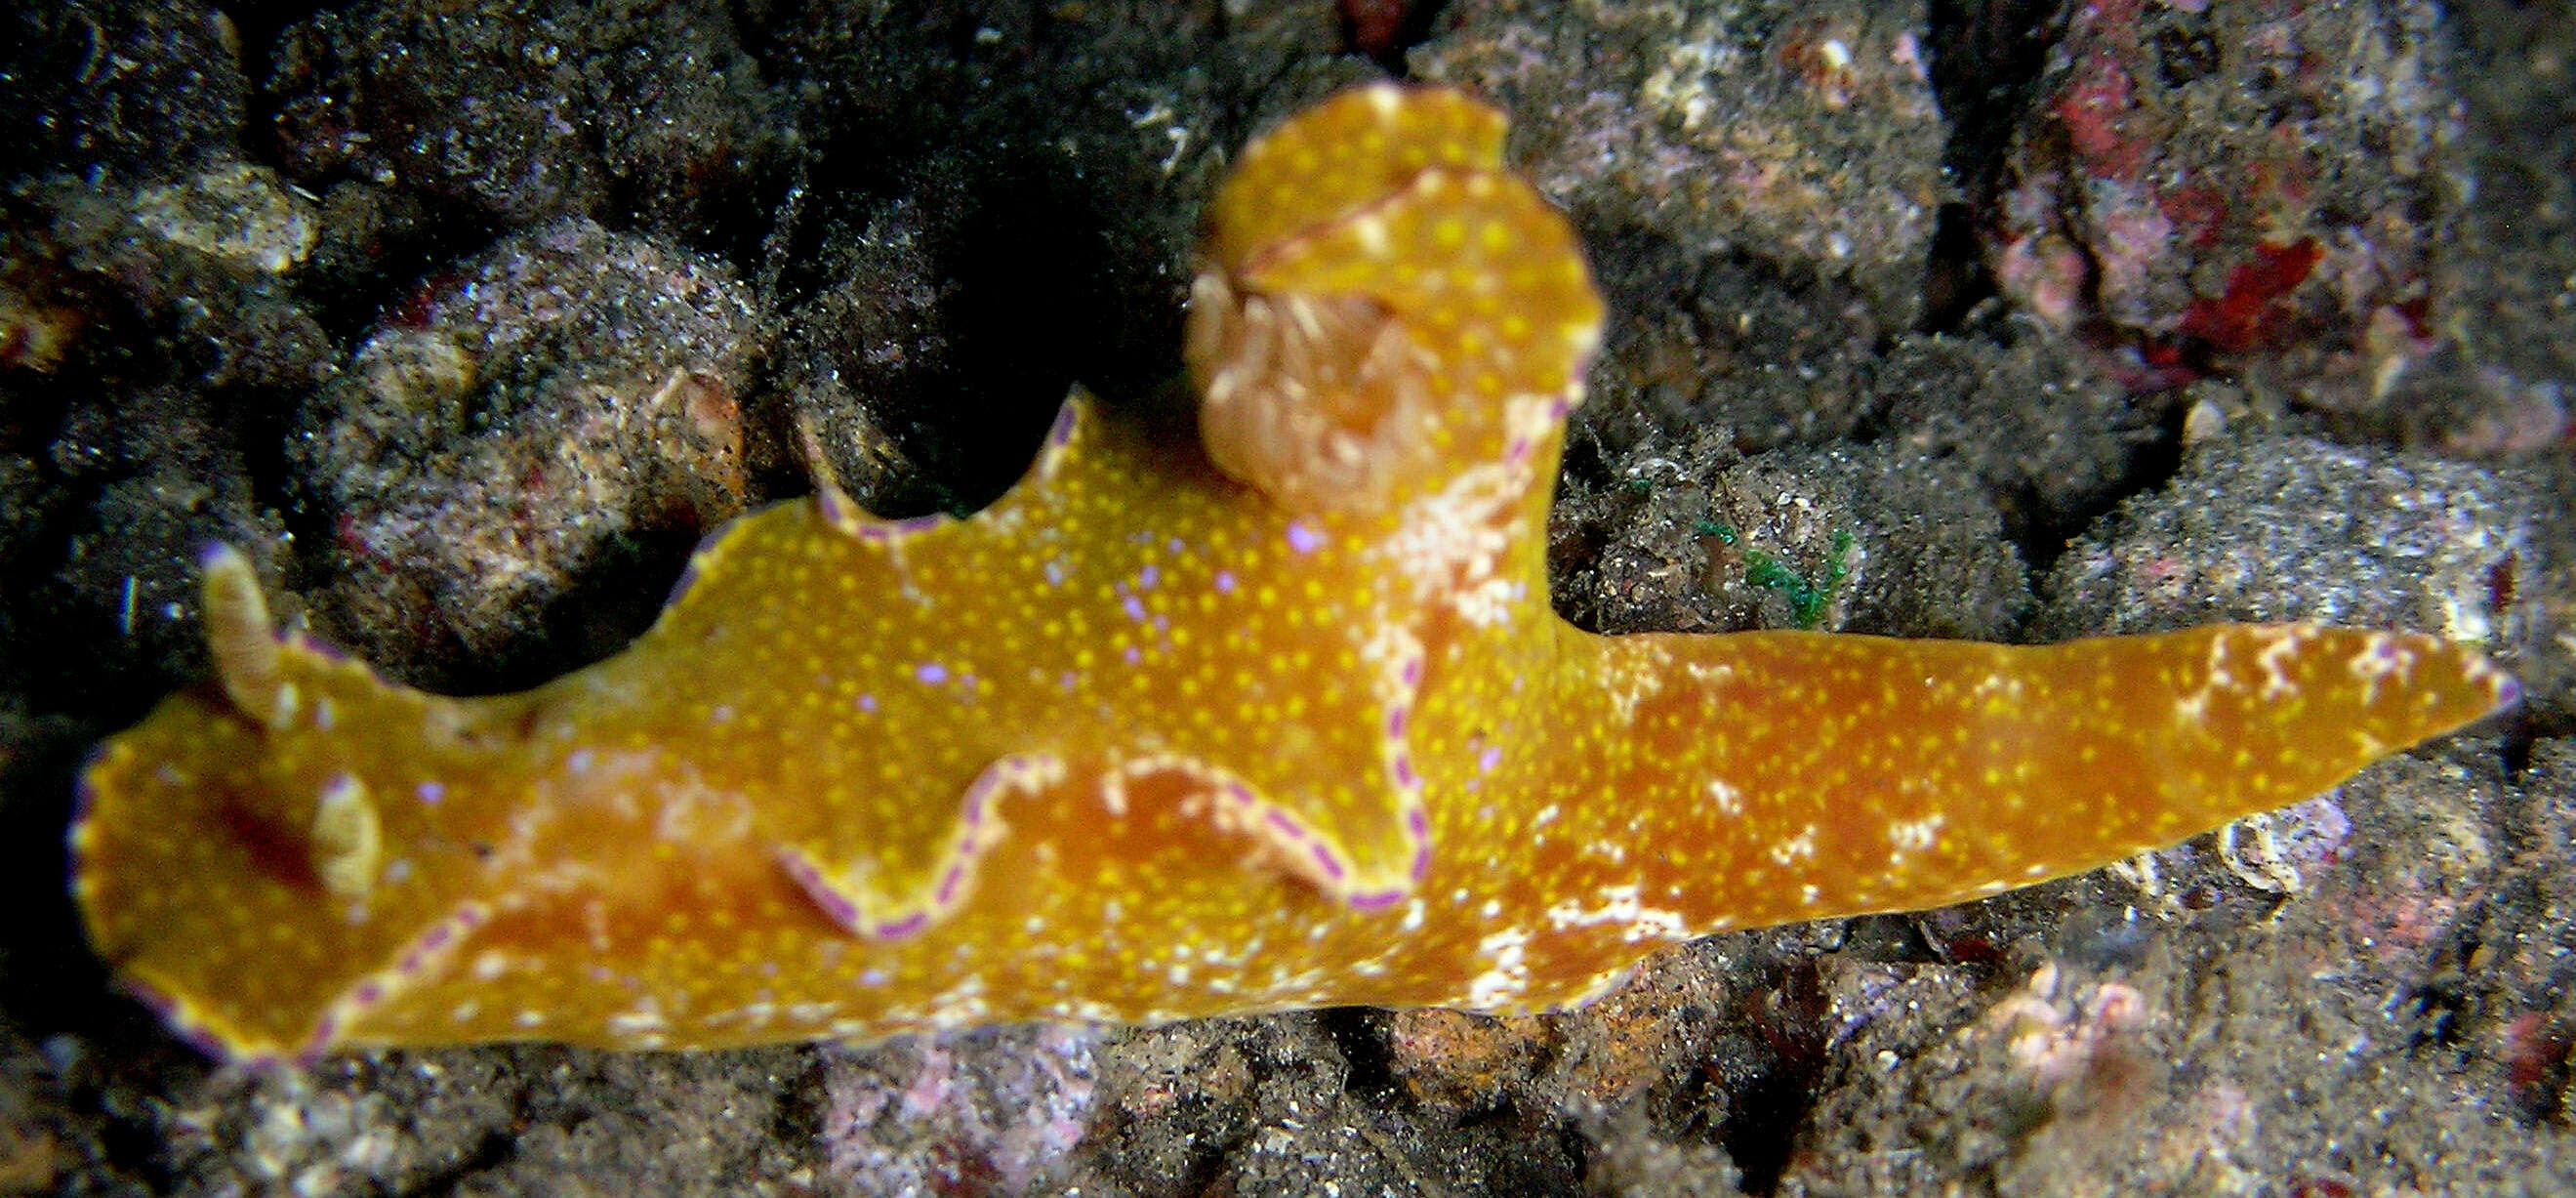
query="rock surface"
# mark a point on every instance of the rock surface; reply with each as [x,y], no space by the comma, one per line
[2133,315]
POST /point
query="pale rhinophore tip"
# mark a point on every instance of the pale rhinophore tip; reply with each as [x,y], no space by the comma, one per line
[241,639]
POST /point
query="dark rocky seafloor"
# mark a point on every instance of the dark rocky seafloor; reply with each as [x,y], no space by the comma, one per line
[2013,320]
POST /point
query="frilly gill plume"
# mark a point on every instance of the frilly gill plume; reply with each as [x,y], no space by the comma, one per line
[1377,285]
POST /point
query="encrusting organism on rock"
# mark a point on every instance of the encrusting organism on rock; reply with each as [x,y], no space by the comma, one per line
[1168,733]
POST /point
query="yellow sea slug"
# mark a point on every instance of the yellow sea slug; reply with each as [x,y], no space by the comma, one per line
[1170,731]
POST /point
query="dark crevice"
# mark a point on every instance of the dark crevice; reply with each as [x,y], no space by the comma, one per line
[489,1153]
[2148,467]
[255,30]
[1772,1093]
[1955,279]
[131,1146]
[1360,1034]
[52,979]
[1986,62]
[1987,56]
[1385,29]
